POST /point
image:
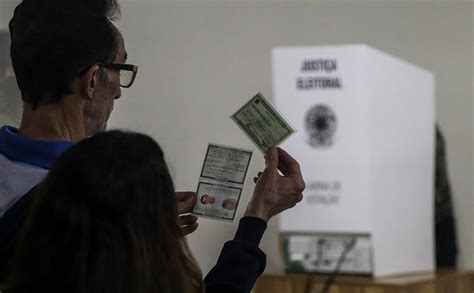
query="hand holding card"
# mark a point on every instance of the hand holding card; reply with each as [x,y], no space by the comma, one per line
[273,192]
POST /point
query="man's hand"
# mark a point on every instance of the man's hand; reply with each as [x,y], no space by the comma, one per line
[186,201]
[275,193]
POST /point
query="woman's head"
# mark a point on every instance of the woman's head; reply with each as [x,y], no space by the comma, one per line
[105,220]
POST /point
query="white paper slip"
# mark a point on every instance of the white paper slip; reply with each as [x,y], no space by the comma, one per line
[221,182]
[262,123]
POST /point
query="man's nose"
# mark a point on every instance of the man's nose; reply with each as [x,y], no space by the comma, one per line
[119,94]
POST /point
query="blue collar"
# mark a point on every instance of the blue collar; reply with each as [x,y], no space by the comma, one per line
[39,153]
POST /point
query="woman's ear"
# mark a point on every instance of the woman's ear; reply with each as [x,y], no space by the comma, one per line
[88,81]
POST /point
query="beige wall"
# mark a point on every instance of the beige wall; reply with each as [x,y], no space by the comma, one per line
[200,60]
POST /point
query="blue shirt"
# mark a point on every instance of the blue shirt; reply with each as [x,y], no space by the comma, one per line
[35,152]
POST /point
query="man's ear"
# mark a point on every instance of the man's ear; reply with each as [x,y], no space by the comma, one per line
[88,80]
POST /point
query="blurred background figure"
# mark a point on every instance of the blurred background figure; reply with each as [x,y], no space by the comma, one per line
[445,223]
[10,102]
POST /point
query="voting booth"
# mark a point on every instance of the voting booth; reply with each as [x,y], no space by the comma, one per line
[365,142]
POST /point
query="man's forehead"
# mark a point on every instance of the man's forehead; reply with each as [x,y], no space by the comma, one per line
[121,52]
[121,55]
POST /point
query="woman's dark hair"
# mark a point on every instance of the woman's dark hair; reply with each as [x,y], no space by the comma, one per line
[52,41]
[105,220]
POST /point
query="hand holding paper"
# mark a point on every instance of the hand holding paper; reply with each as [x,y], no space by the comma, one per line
[275,193]
[186,201]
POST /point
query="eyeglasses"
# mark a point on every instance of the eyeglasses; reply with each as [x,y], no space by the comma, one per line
[128,72]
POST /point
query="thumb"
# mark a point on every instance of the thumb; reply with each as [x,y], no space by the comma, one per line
[271,159]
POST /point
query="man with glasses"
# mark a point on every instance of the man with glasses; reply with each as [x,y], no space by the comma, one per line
[69,61]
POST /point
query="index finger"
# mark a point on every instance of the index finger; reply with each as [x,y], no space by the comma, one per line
[287,164]
[185,201]
[184,195]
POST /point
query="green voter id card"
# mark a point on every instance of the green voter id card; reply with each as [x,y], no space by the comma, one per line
[262,123]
